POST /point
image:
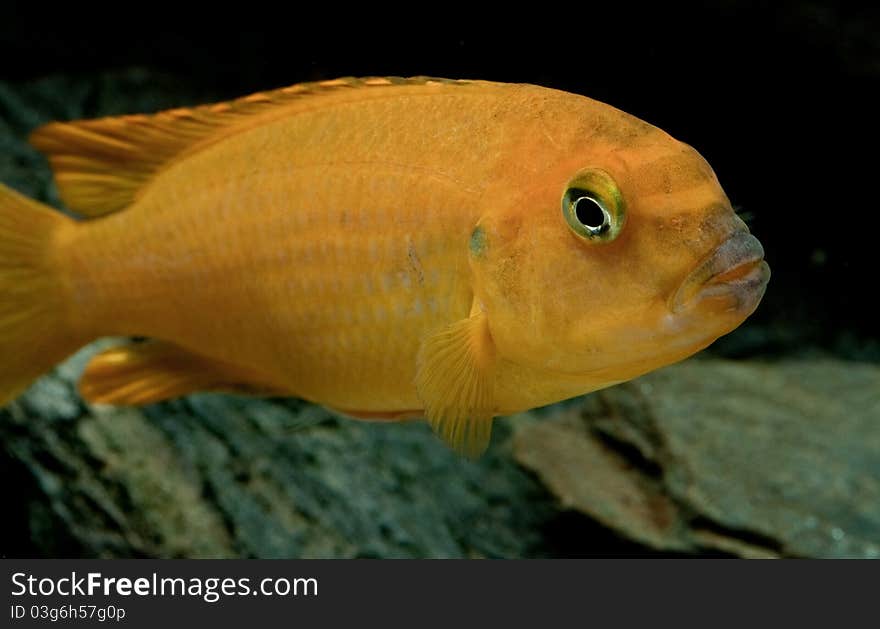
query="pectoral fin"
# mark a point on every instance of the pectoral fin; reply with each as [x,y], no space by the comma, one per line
[455,379]
[143,373]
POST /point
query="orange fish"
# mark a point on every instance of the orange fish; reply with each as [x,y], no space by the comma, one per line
[389,248]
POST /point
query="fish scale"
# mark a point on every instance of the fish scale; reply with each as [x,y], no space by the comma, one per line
[336,280]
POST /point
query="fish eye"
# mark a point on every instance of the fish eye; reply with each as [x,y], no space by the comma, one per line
[593,206]
[591,214]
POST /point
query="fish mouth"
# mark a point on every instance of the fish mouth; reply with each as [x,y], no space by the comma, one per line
[735,270]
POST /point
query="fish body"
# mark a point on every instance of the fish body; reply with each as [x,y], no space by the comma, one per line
[388,248]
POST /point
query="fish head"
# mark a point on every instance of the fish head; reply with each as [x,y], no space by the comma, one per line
[615,262]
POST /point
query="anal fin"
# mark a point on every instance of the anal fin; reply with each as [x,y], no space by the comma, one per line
[143,373]
[455,379]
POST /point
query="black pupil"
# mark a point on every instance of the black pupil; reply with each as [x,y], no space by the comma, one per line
[589,213]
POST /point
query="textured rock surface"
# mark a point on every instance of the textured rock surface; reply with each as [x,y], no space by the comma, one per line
[749,458]
[707,457]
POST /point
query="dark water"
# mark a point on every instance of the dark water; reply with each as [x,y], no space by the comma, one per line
[781,100]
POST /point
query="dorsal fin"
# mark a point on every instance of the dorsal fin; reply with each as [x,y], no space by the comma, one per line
[101,165]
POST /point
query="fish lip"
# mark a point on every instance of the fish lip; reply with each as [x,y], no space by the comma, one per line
[736,265]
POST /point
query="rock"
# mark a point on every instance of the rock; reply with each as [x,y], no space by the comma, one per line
[746,458]
[588,476]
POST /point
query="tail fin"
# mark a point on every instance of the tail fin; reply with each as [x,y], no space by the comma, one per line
[34,332]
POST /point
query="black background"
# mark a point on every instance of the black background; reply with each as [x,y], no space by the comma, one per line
[781,98]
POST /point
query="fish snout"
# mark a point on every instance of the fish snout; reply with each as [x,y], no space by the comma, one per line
[735,269]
